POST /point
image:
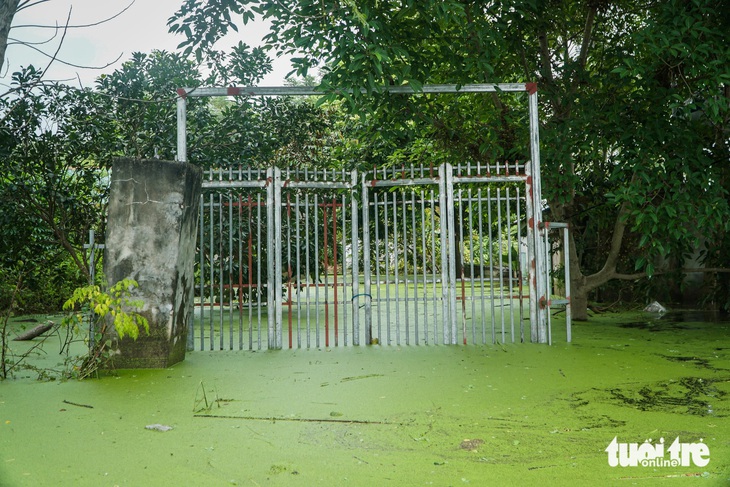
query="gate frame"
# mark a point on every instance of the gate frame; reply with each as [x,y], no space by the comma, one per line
[538,268]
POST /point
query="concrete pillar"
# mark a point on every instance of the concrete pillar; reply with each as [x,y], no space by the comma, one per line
[151,232]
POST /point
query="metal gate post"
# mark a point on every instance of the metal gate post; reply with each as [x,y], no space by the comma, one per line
[538,291]
[273,281]
[448,254]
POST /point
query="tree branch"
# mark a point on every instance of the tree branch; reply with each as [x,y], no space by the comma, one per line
[587,34]
[609,268]
[69,26]
[631,277]
[547,65]
[55,58]
[27,4]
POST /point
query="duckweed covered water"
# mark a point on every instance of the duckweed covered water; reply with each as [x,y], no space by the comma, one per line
[518,414]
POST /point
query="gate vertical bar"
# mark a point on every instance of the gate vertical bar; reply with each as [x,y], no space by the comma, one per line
[182,150]
[414,253]
[386,257]
[432,201]
[462,250]
[212,269]
[452,249]
[377,263]
[471,262]
[424,263]
[491,264]
[258,269]
[202,272]
[273,240]
[278,299]
[444,227]
[396,274]
[566,264]
[500,268]
[230,270]
[510,286]
[366,263]
[520,284]
[220,271]
[405,266]
[481,264]
[239,293]
[308,272]
[315,210]
[299,273]
[355,253]
[289,272]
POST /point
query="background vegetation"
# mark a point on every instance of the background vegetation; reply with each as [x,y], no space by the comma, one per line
[634,100]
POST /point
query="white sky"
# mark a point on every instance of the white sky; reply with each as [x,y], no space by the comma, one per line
[141,28]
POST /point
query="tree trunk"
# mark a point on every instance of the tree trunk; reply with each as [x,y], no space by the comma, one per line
[579,302]
[34,332]
[7,12]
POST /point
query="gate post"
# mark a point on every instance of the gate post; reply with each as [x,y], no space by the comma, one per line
[538,267]
[448,254]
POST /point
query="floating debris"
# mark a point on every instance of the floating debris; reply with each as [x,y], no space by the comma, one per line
[655,307]
[471,445]
[158,427]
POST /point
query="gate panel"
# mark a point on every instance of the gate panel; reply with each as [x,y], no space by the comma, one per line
[447,254]
[319,250]
[491,230]
[408,289]
[231,293]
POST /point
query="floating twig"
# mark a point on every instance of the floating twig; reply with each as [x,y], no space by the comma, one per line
[301,420]
[77,404]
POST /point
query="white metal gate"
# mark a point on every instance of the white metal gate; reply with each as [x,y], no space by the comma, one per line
[299,258]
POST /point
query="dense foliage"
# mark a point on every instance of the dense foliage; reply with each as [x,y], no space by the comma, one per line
[634,102]
[57,144]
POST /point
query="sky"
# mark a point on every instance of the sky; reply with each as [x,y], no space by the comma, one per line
[141,28]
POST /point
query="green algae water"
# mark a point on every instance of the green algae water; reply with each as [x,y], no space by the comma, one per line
[512,414]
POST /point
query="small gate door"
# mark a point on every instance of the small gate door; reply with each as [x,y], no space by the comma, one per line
[316,254]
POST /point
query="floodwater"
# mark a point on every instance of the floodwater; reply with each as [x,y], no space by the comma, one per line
[513,414]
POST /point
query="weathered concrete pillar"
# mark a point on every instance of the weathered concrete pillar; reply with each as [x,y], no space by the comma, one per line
[151,231]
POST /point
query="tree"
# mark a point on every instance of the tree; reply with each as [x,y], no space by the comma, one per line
[634,102]
[56,143]
[8,8]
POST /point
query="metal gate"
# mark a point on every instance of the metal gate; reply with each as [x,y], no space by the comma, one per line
[314,258]
[301,258]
